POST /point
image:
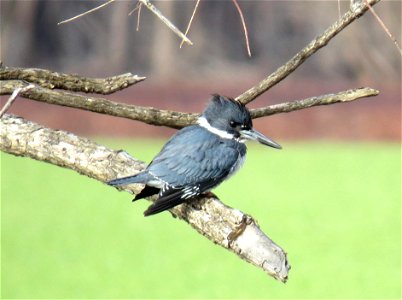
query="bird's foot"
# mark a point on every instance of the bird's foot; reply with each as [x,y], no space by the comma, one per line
[209,195]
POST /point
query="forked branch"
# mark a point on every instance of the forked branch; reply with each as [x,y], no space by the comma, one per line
[316,44]
[160,117]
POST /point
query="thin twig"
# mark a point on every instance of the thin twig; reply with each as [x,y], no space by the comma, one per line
[13,96]
[138,16]
[244,26]
[191,21]
[135,8]
[86,13]
[316,44]
[169,24]
[384,27]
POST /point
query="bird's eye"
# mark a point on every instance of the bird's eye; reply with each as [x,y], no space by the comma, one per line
[233,124]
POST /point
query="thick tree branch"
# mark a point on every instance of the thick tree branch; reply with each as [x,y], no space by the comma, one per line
[75,83]
[316,44]
[223,225]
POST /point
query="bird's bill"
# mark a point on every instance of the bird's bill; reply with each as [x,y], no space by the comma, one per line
[254,135]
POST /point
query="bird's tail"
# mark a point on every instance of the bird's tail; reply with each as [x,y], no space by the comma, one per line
[138,178]
[166,202]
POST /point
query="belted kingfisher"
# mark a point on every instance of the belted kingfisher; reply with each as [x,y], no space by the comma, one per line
[198,157]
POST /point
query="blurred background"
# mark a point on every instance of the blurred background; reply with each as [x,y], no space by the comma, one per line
[105,43]
[331,198]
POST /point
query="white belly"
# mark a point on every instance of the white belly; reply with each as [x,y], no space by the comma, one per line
[239,163]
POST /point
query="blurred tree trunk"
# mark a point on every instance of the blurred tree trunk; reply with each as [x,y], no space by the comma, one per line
[163,45]
[119,32]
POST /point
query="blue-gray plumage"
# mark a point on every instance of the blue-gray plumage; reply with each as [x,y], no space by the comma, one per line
[198,157]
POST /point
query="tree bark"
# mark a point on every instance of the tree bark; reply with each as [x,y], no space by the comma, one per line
[71,82]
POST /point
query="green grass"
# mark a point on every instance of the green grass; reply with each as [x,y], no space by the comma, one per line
[335,208]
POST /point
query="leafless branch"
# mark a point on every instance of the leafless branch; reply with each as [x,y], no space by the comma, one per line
[191,21]
[86,13]
[137,7]
[244,26]
[176,119]
[13,96]
[393,39]
[148,115]
[137,28]
[223,225]
[52,80]
[159,117]
[316,44]
[169,24]
[345,96]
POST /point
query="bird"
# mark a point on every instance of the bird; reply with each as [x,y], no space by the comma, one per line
[198,157]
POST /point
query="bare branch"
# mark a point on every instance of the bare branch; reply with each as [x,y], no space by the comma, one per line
[135,8]
[190,22]
[148,115]
[176,119]
[12,98]
[244,26]
[316,44]
[345,96]
[86,13]
[393,39]
[138,6]
[159,117]
[223,225]
[137,28]
[169,24]
[51,80]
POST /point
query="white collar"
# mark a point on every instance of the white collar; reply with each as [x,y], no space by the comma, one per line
[221,133]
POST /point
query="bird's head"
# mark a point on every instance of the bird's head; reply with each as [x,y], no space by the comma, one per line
[230,119]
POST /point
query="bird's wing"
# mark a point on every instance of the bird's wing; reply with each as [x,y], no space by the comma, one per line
[195,156]
[170,197]
[191,163]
